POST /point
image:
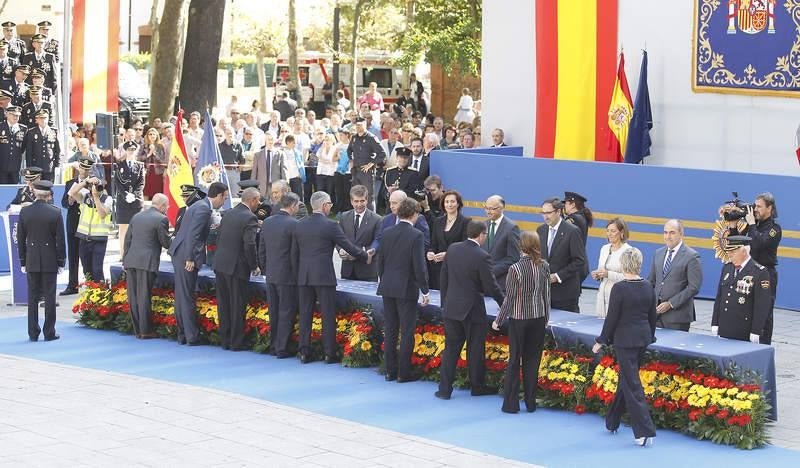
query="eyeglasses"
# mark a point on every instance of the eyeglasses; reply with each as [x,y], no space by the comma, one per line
[491,208]
[548,212]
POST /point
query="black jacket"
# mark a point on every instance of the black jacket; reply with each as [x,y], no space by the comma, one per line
[365,149]
[466,277]
[40,235]
[743,301]
[402,269]
[631,319]
[147,234]
[42,149]
[316,236]
[567,259]
[236,244]
[11,147]
[276,256]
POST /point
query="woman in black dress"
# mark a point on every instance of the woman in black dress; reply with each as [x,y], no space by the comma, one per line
[630,326]
[449,228]
[128,181]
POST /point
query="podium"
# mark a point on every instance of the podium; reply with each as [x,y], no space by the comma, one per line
[19,281]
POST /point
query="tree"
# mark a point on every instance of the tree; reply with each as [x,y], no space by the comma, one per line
[447,32]
[154,21]
[357,10]
[167,67]
[294,70]
[262,41]
[198,85]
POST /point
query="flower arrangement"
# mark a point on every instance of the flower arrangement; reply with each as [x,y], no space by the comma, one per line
[688,396]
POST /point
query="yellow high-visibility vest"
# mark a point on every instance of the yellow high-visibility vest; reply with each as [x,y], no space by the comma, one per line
[91,226]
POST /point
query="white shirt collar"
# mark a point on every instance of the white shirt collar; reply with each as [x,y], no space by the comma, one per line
[560,220]
[676,249]
[743,263]
[498,221]
[406,221]
[476,242]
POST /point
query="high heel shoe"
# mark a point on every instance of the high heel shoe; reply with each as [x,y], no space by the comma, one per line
[612,431]
[642,441]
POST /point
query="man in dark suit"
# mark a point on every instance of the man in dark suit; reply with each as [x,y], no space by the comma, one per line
[563,248]
[73,207]
[419,162]
[502,240]
[391,219]
[360,226]
[12,138]
[315,238]
[41,146]
[278,261]
[403,272]
[235,261]
[42,254]
[676,275]
[466,277]
[268,165]
[188,252]
[743,300]
[147,233]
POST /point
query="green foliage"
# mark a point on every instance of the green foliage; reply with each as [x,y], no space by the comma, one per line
[444,32]
[142,61]
[139,61]
[265,38]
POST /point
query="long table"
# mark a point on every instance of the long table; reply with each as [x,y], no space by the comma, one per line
[567,328]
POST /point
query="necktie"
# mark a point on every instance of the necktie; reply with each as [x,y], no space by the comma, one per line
[416,166]
[736,273]
[358,218]
[550,238]
[667,263]
[490,238]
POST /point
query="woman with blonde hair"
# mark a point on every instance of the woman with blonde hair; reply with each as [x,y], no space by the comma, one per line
[328,159]
[527,306]
[609,269]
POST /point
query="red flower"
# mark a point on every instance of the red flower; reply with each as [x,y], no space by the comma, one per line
[580,409]
[659,402]
[744,420]
[683,404]
[711,410]
[723,414]
[694,414]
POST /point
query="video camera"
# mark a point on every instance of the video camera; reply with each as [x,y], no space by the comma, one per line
[737,209]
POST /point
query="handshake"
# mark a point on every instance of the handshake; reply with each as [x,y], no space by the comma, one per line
[346,256]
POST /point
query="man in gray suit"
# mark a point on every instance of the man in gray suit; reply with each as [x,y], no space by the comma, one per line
[188,251]
[268,165]
[502,240]
[360,226]
[147,234]
[676,275]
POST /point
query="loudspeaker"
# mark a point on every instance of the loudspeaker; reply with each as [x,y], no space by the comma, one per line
[106,125]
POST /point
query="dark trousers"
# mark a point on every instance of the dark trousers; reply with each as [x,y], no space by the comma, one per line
[9,177]
[42,284]
[456,332]
[682,326]
[325,184]
[245,175]
[568,304]
[231,308]
[296,186]
[282,303]
[140,284]
[342,186]
[73,257]
[367,180]
[766,335]
[381,196]
[185,315]
[327,304]
[630,395]
[47,176]
[525,344]
[310,185]
[398,315]
[353,275]
[92,253]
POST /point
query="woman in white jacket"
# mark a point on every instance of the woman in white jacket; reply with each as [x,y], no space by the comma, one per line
[465,113]
[609,269]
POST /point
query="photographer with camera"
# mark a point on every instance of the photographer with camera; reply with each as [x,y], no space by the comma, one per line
[94,224]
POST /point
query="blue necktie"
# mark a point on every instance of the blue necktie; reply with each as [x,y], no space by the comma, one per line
[667,264]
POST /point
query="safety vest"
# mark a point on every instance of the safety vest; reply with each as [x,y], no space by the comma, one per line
[90,225]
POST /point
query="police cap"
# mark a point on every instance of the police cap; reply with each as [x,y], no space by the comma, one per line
[23,68]
[38,38]
[43,185]
[734,242]
[85,162]
[44,24]
[9,24]
[14,110]
[32,173]
[129,145]
[572,196]
[403,151]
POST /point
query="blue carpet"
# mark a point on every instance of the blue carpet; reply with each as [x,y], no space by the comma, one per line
[547,437]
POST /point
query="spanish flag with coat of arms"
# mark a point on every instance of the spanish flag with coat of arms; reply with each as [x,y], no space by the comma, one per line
[619,113]
[179,172]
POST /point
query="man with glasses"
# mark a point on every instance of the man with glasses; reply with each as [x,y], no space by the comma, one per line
[562,247]
[502,239]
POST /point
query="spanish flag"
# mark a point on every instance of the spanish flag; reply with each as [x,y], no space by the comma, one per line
[619,113]
[179,172]
[95,59]
[576,49]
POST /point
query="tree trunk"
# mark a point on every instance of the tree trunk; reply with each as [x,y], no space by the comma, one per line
[154,21]
[294,71]
[354,49]
[262,82]
[198,85]
[409,20]
[171,32]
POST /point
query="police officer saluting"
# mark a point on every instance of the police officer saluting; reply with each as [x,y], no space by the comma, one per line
[42,254]
[25,195]
[743,299]
[12,137]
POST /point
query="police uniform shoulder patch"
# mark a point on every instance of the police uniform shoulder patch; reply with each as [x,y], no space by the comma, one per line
[773,232]
[761,267]
[570,220]
[765,284]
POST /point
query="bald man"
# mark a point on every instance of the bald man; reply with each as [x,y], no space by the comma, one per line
[147,234]
[502,239]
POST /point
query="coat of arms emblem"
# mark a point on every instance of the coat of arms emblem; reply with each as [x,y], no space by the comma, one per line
[752,16]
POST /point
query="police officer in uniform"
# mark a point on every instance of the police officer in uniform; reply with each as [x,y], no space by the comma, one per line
[73,207]
[190,194]
[25,194]
[45,61]
[577,213]
[50,44]
[128,182]
[37,78]
[7,63]
[42,254]
[41,146]
[402,177]
[18,85]
[766,235]
[12,138]
[33,106]
[743,300]
[366,153]
[16,46]
[5,103]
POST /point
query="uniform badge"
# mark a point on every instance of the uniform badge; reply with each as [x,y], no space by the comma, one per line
[741,300]
[570,220]
[773,232]
[727,275]
[46,66]
[35,136]
[765,284]
[3,133]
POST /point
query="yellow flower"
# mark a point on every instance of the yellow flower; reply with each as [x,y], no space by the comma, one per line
[732,391]
[753,397]
[581,378]
[366,346]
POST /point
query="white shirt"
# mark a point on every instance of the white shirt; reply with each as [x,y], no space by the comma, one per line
[418,161]
[496,224]
[289,161]
[674,251]
[325,165]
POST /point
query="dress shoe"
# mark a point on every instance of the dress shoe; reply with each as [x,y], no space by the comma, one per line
[332,360]
[239,348]
[441,395]
[509,411]
[272,352]
[33,338]
[52,338]
[181,340]
[485,390]
[410,378]
[226,346]
[282,355]
[642,441]
[149,336]
[305,358]
[68,292]
[199,342]
[390,377]
[531,407]
[138,336]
